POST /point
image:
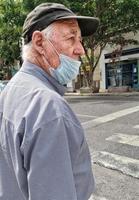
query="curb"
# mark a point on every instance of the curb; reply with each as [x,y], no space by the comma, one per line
[126,94]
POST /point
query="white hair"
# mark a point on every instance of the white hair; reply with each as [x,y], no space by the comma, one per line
[26,48]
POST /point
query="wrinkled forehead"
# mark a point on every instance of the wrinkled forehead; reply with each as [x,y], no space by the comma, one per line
[69,26]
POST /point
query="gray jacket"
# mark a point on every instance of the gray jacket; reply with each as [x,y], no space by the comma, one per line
[43,151]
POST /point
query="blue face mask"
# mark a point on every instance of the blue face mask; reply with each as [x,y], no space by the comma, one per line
[66,71]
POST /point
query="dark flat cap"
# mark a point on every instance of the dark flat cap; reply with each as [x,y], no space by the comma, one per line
[47,13]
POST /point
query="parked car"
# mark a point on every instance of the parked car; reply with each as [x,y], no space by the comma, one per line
[3,84]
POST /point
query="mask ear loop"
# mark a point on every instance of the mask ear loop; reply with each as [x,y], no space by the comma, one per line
[44,59]
[54,49]
[53,46]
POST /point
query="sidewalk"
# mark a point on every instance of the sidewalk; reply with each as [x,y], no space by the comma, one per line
[78,94]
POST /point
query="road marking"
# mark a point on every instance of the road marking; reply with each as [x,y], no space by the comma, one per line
[136,126]
[116,115]
[91,116]
[125,139]
[123,164]
[94,197]
[109,117]
[89,124]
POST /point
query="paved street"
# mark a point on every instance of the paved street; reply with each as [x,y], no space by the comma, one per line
[111,124]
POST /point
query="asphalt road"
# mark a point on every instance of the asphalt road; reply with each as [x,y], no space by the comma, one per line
[111,126]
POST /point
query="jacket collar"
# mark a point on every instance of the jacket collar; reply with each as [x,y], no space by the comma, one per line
[38,72]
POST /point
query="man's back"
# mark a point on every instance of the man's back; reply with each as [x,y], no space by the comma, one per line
[41,142]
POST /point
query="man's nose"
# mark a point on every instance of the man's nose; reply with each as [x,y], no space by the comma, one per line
[79,49]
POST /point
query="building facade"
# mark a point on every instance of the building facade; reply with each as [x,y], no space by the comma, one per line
[124,71]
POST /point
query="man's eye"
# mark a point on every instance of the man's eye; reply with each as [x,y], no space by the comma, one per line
[71,38]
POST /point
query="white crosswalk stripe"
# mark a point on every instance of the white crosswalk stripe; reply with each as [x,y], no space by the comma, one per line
[136,126]
[123,164]
[88,116]
[125,139]
[94,197]
[109,117]
[116,115]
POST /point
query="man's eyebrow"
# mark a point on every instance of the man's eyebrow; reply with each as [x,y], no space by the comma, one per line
[65,35]
[76,32]
[72,32]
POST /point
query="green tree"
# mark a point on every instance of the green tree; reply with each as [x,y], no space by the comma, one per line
[29,5]
[11,20]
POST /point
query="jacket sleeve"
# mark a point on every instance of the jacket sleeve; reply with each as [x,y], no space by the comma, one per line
[47,159]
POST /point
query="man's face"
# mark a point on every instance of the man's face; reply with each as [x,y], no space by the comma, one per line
[66,39]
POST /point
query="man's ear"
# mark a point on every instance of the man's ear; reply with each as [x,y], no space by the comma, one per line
[37,40]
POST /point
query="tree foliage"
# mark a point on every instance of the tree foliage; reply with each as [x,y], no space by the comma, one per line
[11,20]
[29,5]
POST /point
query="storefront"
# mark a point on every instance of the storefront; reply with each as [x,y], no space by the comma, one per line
[124,73]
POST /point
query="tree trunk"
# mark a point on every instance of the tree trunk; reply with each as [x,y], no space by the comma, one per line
[90,57]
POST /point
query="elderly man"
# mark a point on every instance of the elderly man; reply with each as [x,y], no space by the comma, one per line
[43,151]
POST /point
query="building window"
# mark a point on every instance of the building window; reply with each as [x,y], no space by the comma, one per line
[124,73]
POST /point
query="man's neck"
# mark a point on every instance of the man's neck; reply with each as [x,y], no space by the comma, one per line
[37,60]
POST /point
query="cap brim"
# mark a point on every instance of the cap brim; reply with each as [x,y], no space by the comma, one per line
[88,25]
